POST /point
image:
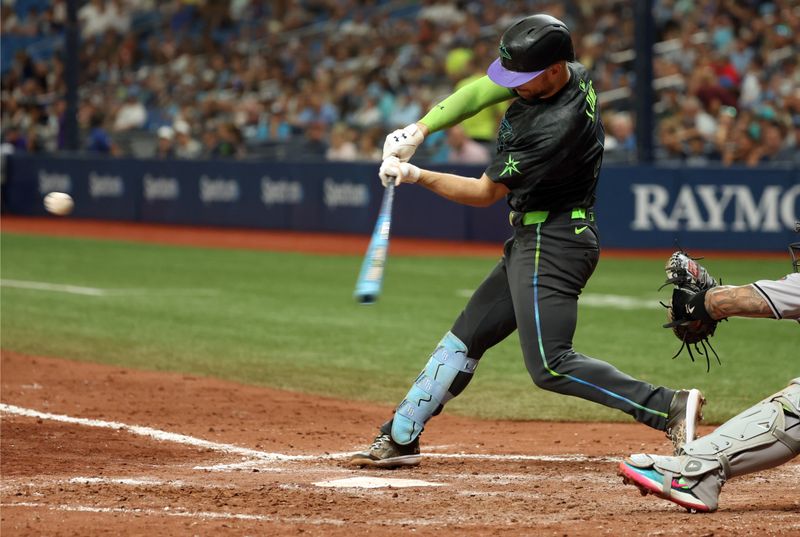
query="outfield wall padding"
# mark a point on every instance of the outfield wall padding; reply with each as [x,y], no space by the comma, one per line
[637,206]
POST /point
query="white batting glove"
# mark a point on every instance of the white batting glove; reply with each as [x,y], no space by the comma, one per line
[402,143]
[399,172]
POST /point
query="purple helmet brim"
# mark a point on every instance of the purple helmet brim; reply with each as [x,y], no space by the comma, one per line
[509,79]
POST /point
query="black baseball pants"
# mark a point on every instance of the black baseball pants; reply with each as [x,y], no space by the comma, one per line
[534,288]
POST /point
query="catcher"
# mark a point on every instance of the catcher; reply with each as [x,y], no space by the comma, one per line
[763,436]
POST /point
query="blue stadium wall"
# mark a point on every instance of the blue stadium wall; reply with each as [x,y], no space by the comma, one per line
[637,207]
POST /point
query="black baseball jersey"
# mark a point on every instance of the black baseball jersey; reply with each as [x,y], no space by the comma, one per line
[549,150]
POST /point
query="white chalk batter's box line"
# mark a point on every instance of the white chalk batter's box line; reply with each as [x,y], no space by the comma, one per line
[257,457]
[265,461]
[11,485]
[362,485]
[168,512]
[405,523]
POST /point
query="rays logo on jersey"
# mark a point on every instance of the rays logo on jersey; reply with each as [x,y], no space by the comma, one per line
[504,135]
[510,166]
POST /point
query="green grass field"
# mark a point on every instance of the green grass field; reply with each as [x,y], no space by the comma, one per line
[289,321]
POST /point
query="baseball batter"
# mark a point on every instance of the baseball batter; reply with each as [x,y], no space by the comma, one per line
[763,436]
[549,153]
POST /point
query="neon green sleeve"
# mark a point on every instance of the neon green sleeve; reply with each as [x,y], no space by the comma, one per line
[466,102]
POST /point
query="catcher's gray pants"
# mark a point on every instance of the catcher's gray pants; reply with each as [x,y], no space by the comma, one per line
[534,288]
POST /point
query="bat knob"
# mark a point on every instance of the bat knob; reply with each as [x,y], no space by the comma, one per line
[366,299]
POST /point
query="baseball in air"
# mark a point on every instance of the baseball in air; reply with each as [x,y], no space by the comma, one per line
[58,203]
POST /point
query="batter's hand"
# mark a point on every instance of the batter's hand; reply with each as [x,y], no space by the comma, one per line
[402,143]
[399,172]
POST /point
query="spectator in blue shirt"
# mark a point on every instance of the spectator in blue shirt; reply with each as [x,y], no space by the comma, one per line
[99,139]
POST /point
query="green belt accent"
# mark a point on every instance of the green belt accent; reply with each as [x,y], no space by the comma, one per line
[537,217]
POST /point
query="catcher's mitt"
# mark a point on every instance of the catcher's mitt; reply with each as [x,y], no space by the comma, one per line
[691,328]
[686,273]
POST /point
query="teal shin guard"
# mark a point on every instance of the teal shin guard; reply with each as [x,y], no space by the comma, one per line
[432,388]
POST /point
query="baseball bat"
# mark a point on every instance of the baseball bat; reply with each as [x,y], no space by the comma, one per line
[370,279]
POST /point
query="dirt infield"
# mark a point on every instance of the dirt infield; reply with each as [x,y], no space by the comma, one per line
[88,449]
[215,457]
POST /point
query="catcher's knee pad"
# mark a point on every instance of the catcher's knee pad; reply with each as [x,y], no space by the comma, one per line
[762,436]
[431,390]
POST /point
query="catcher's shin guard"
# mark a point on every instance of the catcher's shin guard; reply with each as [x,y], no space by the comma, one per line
[763,436]
[432,389]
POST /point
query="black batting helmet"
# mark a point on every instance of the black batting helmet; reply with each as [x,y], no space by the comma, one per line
[528,47]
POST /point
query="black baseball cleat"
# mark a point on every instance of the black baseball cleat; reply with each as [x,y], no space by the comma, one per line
[685,412]
[386,453]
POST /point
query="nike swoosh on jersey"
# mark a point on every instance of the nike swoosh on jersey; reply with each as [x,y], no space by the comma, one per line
[579,230]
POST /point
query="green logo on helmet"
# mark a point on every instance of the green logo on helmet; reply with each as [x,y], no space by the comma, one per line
[504,52]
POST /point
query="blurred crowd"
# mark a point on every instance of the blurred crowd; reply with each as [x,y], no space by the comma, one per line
[327,79]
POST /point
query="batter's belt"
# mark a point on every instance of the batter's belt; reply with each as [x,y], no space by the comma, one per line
[519,219]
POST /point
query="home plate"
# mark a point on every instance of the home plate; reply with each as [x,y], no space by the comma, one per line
[376,482]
